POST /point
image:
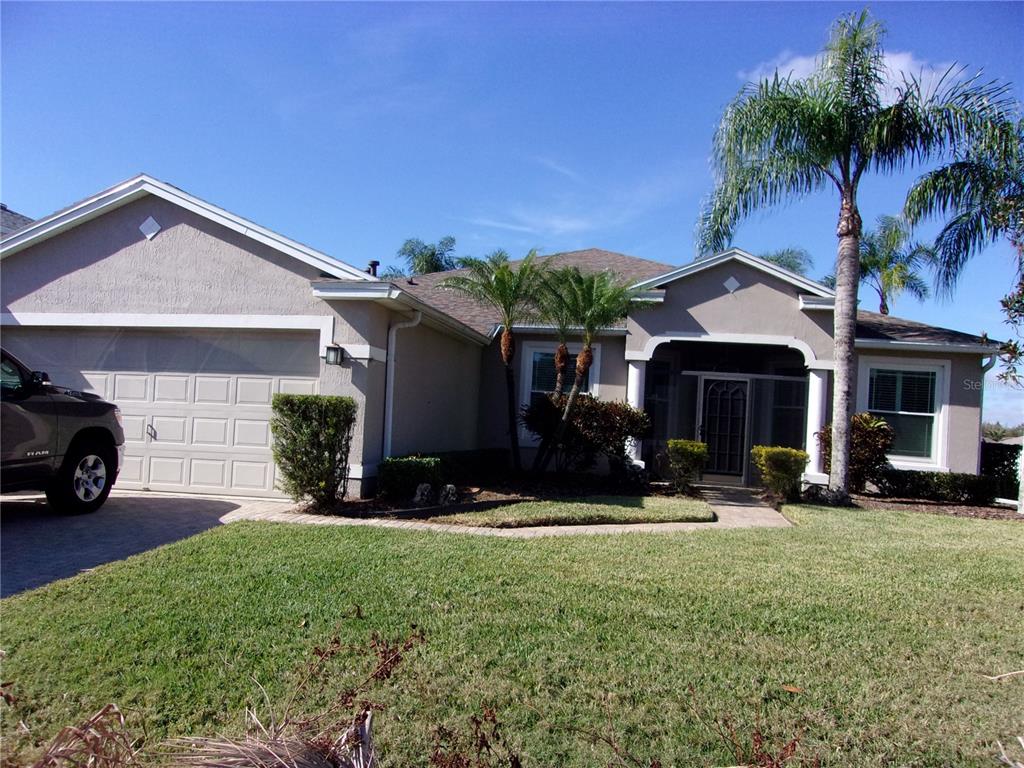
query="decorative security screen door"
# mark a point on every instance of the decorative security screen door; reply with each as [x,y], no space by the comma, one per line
[724,425]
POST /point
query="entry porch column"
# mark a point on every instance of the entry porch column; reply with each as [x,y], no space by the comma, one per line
[817,385]
[635,378]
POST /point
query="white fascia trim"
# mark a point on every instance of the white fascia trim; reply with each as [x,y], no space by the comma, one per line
[550,329]
[142,185]
[656,296]
[735,254]
[821,303]
[938,461]
[363,291]
[322,323]
[365,352]
[810,360]
[926,346]
[383,291]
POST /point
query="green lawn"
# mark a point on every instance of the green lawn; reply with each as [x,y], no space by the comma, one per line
[593,510]
[885,621]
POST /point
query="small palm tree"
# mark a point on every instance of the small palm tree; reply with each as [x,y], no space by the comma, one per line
[555,311]
[512,291]
[782,139]
[890,264]
[794,259]
[423,258]
[592,302]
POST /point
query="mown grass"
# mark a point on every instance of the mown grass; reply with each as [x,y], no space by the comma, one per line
[593,510]
[885,621]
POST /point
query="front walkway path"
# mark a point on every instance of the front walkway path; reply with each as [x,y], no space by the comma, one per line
[735,507]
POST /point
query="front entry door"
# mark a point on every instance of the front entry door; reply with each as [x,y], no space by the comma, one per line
[724,425]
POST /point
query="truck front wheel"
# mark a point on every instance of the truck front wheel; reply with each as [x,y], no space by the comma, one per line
[84,479]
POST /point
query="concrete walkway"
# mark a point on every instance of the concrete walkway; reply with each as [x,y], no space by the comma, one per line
[735,507]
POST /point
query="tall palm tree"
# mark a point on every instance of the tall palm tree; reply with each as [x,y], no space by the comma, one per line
[424,258]
[593,301]
[794,259]
[782,139]
[511,291]
[890,264]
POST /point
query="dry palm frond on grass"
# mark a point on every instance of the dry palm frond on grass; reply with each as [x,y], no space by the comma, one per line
[332,738]
[1005,758]
[102,741]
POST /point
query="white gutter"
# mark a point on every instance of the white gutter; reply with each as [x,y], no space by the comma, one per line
[987,366]
[389,378]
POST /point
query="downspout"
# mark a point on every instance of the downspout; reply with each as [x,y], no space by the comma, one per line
[389,377]
[986,366]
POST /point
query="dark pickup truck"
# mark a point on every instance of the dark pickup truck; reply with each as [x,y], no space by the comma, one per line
[67,443]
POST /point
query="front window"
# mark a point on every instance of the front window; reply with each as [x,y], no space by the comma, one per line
[906,400]
[542,376]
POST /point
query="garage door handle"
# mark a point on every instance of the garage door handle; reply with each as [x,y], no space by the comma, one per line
[150,431]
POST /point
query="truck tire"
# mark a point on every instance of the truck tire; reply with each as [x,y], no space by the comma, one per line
[84,479]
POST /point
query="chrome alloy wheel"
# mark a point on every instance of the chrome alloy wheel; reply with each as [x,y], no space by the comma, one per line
[90,477]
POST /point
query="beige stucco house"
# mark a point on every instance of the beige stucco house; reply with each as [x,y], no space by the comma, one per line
[190,318]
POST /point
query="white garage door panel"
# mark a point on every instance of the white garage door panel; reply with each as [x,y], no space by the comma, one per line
[196,403]
[197,432]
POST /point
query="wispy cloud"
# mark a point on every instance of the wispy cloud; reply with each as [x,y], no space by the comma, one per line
[559,168]
[899,65]
[591,209]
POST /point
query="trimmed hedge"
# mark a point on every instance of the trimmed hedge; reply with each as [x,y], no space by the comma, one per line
[312,438]
[871,438]
[399,477]
[949,487]
[999,461]
[780,469]
[686,460]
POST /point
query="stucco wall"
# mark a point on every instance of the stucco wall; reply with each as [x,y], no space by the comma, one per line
[437,387]
[192,266]
[965,401]
[493,421]
[762,304]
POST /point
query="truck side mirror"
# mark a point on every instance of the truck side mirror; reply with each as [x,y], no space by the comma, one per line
[40,378]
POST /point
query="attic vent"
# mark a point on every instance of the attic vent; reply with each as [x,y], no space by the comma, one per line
[731,284]
[149,228]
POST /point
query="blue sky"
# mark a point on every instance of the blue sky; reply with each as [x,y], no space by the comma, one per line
[354,126]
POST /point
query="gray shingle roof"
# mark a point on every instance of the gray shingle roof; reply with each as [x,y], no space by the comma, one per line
[876,327]
[11,220]
[482,318]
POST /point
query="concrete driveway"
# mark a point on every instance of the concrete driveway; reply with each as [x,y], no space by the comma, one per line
[38,546]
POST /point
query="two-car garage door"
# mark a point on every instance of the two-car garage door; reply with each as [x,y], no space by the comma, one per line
[196,405]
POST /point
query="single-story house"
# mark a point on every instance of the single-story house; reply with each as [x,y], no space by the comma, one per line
[190,318]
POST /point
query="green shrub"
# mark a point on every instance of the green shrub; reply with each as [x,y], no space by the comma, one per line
[312,438]
[686,460]
[780,469]
[399,477]
[948,487]
[999,461]
[871,439]
[596,428]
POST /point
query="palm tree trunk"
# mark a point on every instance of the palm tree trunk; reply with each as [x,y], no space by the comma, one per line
[583,362]
[508,354]
[845,328]
[561,364]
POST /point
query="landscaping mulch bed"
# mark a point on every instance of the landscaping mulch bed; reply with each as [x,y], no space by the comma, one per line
[938,508]
[481,497]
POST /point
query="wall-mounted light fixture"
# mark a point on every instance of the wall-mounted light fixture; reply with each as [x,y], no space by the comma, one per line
[335,355]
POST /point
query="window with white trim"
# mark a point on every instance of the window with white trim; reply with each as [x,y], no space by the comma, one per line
[542,374]
[907,400]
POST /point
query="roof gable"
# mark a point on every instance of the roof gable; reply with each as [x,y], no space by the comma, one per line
[735,254]
[142,185]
